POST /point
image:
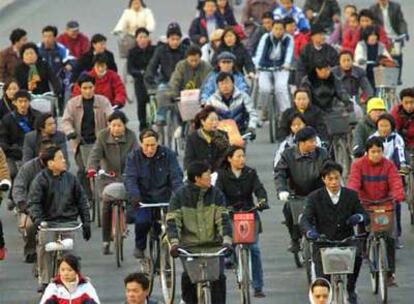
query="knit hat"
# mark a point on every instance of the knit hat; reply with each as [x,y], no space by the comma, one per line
[375,103]
[305,134]
[317,29]
[226,55]
[174,29]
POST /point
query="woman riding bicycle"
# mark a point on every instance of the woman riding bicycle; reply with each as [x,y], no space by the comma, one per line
[6,103]
[239,183]
[135,16]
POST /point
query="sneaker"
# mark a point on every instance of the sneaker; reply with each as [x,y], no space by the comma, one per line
[352,297]
[139,253]
[106,249]
[41,288]
[398,244]
[3,253]
[259,293]
[391,281]
[294,246]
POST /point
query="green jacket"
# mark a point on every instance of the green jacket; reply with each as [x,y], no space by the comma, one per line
[198,219]
[364,129]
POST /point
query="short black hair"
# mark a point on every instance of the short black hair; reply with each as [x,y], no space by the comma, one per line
[375,141]
[366,13]
[320,282]
[22,94]
[49,154]
[344,53]
[288,20]
[295,115]
[44,145]
[72,261]
[118,115]
[41,120]
[321,63]
[196,169]
[302,90]
[368,31]
[330,166]
[139,278]
[50,28]
[85,78]
[388,117]
[193,50]
[29,45]
[278,21]
[100,59]
[146,133]
[202,115]
[230,152]
[267,15]
[98,38]
[141,30]
[16,35]
[223,76]
[407,92]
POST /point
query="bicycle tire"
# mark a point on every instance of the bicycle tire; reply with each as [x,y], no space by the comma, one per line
[372,258]
[245,279]
[92,201]
[382,271]
[207,294]
[272,118]
[298,259]
[167,273]
[117,235]
[122,221]
[342,155]
[153,259]
[340,293]
[307,259]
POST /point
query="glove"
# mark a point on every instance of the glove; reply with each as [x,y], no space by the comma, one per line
[229,250]
[71,135]
[355,219]
[283,196]
[262,205]
[253,133]
[135,202]
[86,232]
[312,235]
[174,251]
[22,207]
[90,173]
[5,185]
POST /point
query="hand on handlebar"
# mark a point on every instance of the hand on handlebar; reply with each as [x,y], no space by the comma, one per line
[174,251]
[355,219]
[229,250]
[284,196]
[312,235]
[91,173]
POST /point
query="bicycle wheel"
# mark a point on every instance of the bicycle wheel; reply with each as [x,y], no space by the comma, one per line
[206,294]
[373,265]
[342,155]
[382,271]
[307,259]
[154,249]
[245,275]
[116,224]
[272,118]
[167,273]
[340,293]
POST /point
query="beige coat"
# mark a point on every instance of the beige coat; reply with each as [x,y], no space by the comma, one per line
[4,169]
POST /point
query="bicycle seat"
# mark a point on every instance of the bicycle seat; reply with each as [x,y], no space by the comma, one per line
[116,192]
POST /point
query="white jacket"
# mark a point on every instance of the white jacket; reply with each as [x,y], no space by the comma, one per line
[131,20]
[361,53]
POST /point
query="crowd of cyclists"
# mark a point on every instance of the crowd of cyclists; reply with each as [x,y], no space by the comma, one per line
[314,61]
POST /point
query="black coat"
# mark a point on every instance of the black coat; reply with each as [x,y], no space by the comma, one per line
[243,57]
[85,63]
[198,28]
[6,107]
[326,8]
[138,60]
[398,23]
[329,219]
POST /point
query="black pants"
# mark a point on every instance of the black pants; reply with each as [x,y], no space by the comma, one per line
[1,235]
[189,290]
[390,244]
[142,99]
[293,229]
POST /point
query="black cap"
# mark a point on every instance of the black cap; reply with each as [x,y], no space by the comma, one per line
[174,29]
[305,134]
[317,29]
[73,25]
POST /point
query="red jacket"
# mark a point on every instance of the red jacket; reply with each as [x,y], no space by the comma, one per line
[78,46]
[404,124]
[376,181]
[300,39]
[351,38]
[110,86]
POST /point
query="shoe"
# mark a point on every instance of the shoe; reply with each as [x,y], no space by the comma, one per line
[391,282]
[259,294]
[3,253]
[352,297]
[398,244]
[106,249]
[139,253]
[294,246]
[30,258]
[41,288]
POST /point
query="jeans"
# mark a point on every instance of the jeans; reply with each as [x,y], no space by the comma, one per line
[145,218]
[257,270]
[280,87]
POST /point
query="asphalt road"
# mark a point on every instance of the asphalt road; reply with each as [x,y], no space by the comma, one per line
[284,283]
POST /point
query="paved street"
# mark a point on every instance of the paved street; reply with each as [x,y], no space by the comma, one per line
[285,284]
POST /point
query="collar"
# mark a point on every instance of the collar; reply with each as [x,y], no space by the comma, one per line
[299,155]
[338,194]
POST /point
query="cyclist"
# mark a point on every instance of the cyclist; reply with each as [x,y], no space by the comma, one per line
[311,113]
[209,49]
[320,292]
[238,183]
[204,25]
[275,50]
[226,13]
[5,184]
[109,153]
[107,82]
[55,197]
[299,171]
[332,211]
[233,104]
[70,285]
[366,127]
[206,142]
[86,62]
[76,42]
[85,115]
[46,129]
[300,37]
[138,59]
[6,103]
[137,15]
[137,289]
[374,178]
[351,34]
[225,63]
[350,11]
[258,31]
[404,117]
[288,9]
[9,57]
[324,13]
[152,174]
[198,220]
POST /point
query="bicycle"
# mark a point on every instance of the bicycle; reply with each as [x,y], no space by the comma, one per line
[202,268]
[409,188]
[96,199]
[46,102]
[160,261]
[381,213]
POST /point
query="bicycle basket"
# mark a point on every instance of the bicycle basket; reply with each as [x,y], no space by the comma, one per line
[194,268]
[64,245]
[386,77]
[43,105]
[381,217]
[337,123]
[244,228]
[189,104]
[338,260]
[297,207]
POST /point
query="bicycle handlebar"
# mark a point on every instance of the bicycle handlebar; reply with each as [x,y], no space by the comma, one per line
[188,254]
[156,205]
[58,229]
[399,38]
[47,94]
[323,240]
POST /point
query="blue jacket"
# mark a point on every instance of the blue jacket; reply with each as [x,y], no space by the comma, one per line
[210,86]
[56,57]
[296,13]
[152,179]
[267,44]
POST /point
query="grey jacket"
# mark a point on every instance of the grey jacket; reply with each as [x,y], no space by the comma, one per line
[32,141]
[354,82]
[24,178]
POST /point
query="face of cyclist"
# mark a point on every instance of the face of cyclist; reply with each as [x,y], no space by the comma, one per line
[136,5]
[48,39]
[58,163]
[408,104]
[87,90]
[375,114]
[364,22]
[384,127]
[99,47]
[100,69]
[278,30]
[267,24]
[345,62]
[209,8]
[204,181]
[142,40]
[307,146]
[11,90]
[135,294]
[353,22]
[291,28]
[50,126]
[174,41]
[149,146]
[194,61]
[332,181]
[226,87]
[296,125]
[323,73]
[318,39]
[66,272]
[221,4]
[30,56]
[348,12]
[22,105]
[375,154]
[238,160]
[72,33]
[226,65]
[230,39]
[302,101]
[287,4]
[117,128]
[372,39]
[210,124]
[320,295]
[21,42]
